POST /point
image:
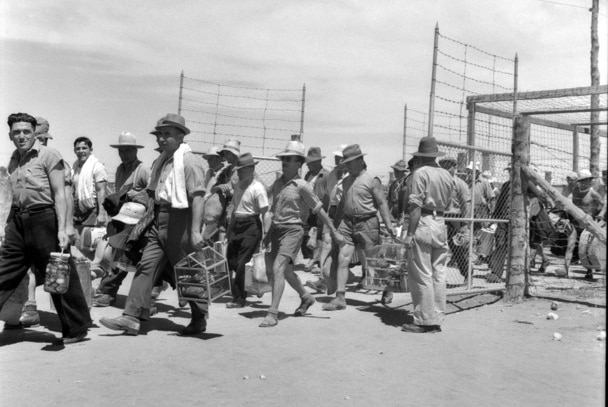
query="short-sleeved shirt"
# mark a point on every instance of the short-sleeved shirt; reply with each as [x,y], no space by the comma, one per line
[29,176]
[318,182]
[292,200]
[99,175]
[589,201]
[251,200]
[193,172]
[132,176]
[432,188]
[358,198]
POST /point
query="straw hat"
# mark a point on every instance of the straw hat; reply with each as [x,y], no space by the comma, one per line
[231,145]
[126,139]
[213,151]
[294,147]
[341,148]
[584,174]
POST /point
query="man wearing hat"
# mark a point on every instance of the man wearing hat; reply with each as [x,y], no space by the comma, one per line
[131,178]
[176,188]
[250,204]
[585,196]
[570,187]
[313,229]
[460,208]
[430,197]
[395,190]
[216,201]
[292,199]
[362,198]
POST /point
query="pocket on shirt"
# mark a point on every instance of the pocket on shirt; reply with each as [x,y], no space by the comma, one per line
[33,177]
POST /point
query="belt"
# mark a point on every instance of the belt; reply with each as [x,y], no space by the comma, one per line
[246,217]
[360,218]
[168,208]
[433,212]
[32,210]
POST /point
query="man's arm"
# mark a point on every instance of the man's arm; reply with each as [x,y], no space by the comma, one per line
[198,207]
[56,179]
[382,206]
[102,216]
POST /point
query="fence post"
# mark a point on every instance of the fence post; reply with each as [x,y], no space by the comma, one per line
[433,79]
[518,242]
[404,129]
[181,87]
[302,112]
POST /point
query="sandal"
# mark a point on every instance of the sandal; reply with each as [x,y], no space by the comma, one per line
[306,303]
[269,320]
[334,305]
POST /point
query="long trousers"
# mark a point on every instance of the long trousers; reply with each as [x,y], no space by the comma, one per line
[459,253]
[426,273]
[168,243]
[29,240]
[243,244]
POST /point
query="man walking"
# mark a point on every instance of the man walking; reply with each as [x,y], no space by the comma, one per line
[431,195]
[176,186]
[37,225]
[362,198]
[131,178]
[292,199]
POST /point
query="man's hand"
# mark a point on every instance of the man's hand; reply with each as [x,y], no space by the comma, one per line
[408,242]
[64,240]
[197,240]
[338,238]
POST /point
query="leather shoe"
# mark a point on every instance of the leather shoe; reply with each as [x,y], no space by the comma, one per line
[195,327]
[126,323]
[29,316]
[103,300]
[421,329]
[72,339]
[13,327]
[237,303]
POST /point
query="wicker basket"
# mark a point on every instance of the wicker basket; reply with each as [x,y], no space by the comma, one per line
[202,276]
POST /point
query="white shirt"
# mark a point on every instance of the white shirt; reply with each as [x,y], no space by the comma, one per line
[250,201]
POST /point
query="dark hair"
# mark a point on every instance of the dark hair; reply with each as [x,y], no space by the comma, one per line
[21,117]
[85,140]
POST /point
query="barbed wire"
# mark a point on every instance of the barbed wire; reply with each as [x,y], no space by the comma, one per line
[475,48]
[242,87]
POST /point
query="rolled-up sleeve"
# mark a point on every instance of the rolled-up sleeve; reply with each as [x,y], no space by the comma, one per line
[418,189]
[195,175]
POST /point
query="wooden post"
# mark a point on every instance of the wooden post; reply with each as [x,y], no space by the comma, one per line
[433,79]
[302,112]
[518,242]
[404,130]
[581,217]
[181,87]
[575,149]
[594,142]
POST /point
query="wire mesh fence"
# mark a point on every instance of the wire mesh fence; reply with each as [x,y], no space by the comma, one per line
[263,119]
[478,243]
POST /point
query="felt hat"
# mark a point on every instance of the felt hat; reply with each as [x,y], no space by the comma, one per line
[126,139]
[213,151]
[448,162]
[341,148]
[314,154]
[245,160]
[42,128]
[584,174]
[231,145]
[173,120]
[130,213]
[350,153]
[294,147]
[428,148]
[399,166]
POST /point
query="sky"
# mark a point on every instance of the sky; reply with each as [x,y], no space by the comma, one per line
[98,68]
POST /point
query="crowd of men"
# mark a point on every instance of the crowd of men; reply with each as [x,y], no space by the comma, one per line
[160,213]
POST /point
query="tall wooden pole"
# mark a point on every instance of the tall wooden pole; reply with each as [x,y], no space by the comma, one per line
[433,79]
[518,244]
[594,158]
[302,114]
[181,87]
[404,130]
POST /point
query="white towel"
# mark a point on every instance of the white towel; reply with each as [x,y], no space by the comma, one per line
[174,189]
[86,192]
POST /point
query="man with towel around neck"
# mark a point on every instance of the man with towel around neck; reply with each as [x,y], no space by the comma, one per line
[176,186]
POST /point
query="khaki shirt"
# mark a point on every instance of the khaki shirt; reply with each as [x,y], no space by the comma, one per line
[292,200]
[193,172]
[358,198]
[133,176]
[432,188]
[29,176]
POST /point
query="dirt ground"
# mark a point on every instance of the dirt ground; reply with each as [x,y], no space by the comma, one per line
[489,353]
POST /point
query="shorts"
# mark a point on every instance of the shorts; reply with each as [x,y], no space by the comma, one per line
[364,234]
[286,240]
